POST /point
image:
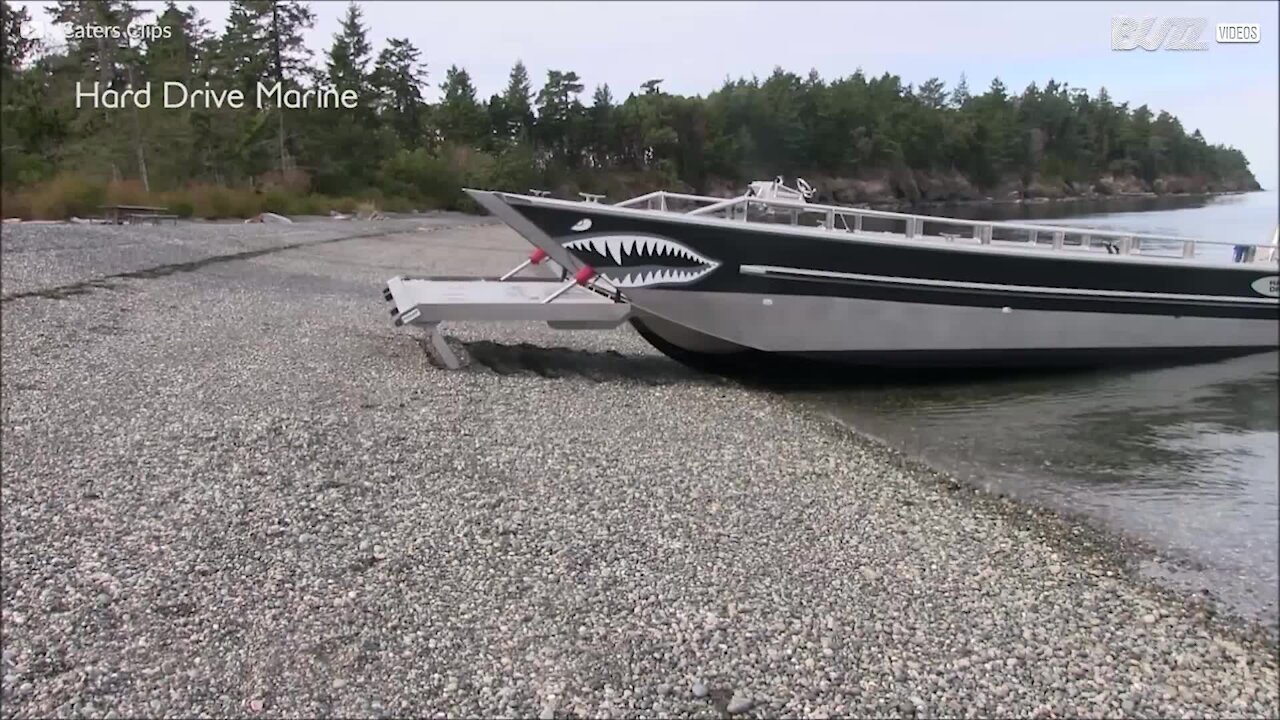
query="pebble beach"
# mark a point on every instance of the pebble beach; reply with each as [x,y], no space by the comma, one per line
[232,488]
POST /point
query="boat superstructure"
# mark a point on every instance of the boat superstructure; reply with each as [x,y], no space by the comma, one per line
[712,281]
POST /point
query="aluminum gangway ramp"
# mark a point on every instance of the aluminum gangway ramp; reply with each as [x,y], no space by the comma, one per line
[429,301]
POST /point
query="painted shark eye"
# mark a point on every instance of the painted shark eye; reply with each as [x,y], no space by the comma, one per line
[582,225]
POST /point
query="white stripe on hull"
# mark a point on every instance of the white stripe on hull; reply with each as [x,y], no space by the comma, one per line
[798,323]
[773,271]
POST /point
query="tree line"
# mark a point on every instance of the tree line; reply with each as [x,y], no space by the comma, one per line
[395,148]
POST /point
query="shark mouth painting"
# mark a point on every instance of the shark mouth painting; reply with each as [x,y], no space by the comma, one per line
[629,261]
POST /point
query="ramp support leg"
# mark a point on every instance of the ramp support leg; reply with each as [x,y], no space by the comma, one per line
[439,348]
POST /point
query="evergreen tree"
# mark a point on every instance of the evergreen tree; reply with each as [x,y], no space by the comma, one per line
[15,46]
[31,129]
[460,118]
[933,94]
[176,138]
[264,44]
[960,96]
[348,58]
[517,103]
[559,113]
[398,78]
[600,135]
[351,144]
[104,61]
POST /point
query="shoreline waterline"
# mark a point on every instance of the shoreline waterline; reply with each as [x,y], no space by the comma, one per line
[1140,561]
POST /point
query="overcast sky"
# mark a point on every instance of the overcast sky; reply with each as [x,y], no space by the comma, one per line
[1229,91]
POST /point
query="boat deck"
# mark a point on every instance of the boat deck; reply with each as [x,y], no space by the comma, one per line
[934,229]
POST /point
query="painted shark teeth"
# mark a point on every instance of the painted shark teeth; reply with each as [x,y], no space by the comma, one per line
[617,247]
[654,277]
[635,256]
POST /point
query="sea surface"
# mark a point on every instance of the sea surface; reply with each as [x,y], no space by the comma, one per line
[1186,459]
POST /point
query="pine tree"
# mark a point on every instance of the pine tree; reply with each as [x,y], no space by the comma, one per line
[264,44]
[460,117]
[112,62]
[348,59]
[28,129]
[15,46]
[960,96]
[106,58]
[933,94]
[241,55]
[517,104]
[351,143]
[176,137]
[559,113]
[398,78]
[600,137]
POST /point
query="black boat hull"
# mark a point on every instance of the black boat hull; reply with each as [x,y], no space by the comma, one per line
[718,292]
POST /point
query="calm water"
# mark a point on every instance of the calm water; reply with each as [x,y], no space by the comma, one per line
[1185,458]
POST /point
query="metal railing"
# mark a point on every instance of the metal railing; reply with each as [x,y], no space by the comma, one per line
[837,218]
[662,200]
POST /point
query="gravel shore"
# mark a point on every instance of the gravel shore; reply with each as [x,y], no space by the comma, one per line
[232,488]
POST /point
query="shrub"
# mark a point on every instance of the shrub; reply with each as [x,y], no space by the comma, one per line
[216,202]
[397,204]
[409,180]
[278,202]
[372,196]
[64,196]
[311,204]
[289,182]
[182,208]
[419,176]
[14,205]
[512,171]
[126,192]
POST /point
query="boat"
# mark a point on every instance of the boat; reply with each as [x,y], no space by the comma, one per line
[719,283]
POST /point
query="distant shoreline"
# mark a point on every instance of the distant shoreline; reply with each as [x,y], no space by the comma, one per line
[1066,199]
